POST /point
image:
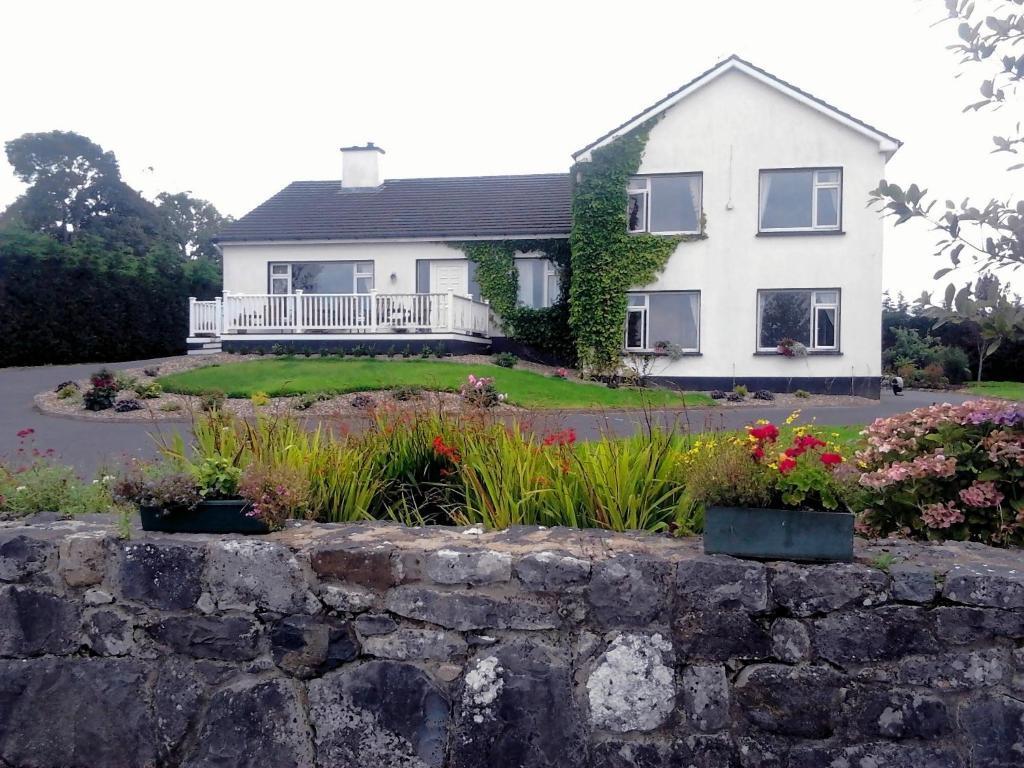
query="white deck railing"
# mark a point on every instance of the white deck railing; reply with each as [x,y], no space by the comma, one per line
[339,313]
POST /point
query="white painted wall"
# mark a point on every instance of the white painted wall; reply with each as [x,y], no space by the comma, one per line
[730,130]
[245,265]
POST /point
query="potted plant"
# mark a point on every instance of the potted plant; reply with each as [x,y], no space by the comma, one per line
[201,498]
[791,348]
[768,502]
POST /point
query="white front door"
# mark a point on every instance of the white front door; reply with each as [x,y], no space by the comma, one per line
[449,276]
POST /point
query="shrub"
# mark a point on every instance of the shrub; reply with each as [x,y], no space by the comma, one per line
[103,379]
[277,492]
[479,392]
[324,352]
[307,352]
[218,477]
[170,406]
[741,390]
[152,372]
[717,394]
[955,364]
[946,472]
[99,398]
[260,352]
[73,385]
[362,401]
[212,401]
[763,394]
[803,394]
[407,351]
[506,360]
[124,381]
[68,391]
[259,399]
[734,397]
[403,394]
[304,402]
[391,351]
[127,405]
[149,391]
[279,349]
[425,351]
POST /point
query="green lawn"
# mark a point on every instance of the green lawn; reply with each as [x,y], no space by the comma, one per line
[844,434]
[291,376]
[1011,390]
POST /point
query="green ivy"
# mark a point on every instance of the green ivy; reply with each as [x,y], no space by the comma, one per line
[545,329]
[606,260]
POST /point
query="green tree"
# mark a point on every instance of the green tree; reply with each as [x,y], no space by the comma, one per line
[75,190]
[193,224]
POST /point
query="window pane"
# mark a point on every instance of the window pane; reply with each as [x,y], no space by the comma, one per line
[826,297]
[328,277]
[638,300]
[826,328]
[828,177]
[785,315]
[675,203]
[636,213]
[675,318]
[786,199]
[279,269]
[364,268]
[554,288]
[528,294]
[635,329]
[364,284]
[279,286]
[828,207]
[637,184]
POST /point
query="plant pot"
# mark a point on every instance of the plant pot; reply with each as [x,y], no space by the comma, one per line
[779,534]
[223,516]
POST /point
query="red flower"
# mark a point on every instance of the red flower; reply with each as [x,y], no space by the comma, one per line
[809,441]
[448,451]
[565,437]
[831,459]
[787,465]
[758,452]
[23,433]
[794,452]
[764,432]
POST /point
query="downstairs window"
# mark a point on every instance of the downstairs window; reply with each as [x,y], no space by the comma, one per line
[810,317]
[322,277]
[663,316]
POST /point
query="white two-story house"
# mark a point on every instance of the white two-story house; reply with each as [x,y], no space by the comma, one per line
[776,179]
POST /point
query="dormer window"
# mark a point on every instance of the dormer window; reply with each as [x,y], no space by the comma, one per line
[801,200]
[665,204]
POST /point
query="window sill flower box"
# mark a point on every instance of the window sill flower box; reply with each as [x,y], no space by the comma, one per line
[779,534]
[220,516]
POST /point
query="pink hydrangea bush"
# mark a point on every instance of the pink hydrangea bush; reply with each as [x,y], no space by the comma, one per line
[946,472]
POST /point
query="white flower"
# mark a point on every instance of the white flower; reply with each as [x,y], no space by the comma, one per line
[21,488]
[108,478]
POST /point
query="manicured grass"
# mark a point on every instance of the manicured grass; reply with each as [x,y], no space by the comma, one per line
[847,435]
[292,376]
[1011,390]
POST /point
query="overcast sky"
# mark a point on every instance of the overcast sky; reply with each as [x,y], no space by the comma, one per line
[233,100]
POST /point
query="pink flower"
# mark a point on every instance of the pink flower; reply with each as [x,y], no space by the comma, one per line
[941,515]
[27,432]
[982,495]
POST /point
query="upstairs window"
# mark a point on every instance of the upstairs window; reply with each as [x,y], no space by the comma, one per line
[667,204]
[665,316]
[801,200]
[808,316]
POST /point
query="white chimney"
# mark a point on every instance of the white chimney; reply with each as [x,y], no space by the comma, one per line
[360,167]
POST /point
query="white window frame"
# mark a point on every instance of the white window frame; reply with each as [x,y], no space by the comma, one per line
[550,270]
[645,192]
[645,311]
[815,305]
[816,184]
[367,266]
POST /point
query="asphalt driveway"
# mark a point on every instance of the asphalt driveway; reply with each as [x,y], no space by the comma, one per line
[91,445]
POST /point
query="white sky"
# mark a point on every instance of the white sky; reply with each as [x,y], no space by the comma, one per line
[233,100]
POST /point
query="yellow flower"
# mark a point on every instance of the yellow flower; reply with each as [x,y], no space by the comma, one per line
[793,416]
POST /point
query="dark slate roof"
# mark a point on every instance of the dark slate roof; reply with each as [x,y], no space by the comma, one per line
[443,208]
[721,65]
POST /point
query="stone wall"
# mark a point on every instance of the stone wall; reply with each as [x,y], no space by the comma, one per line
[381,646]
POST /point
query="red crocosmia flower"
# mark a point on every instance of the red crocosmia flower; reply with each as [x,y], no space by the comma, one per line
[565,437]
[448,451]
[831,459]
[787,464]
[764,432]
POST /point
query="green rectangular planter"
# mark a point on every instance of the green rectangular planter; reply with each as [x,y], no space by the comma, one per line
[779,534]
[223,516]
